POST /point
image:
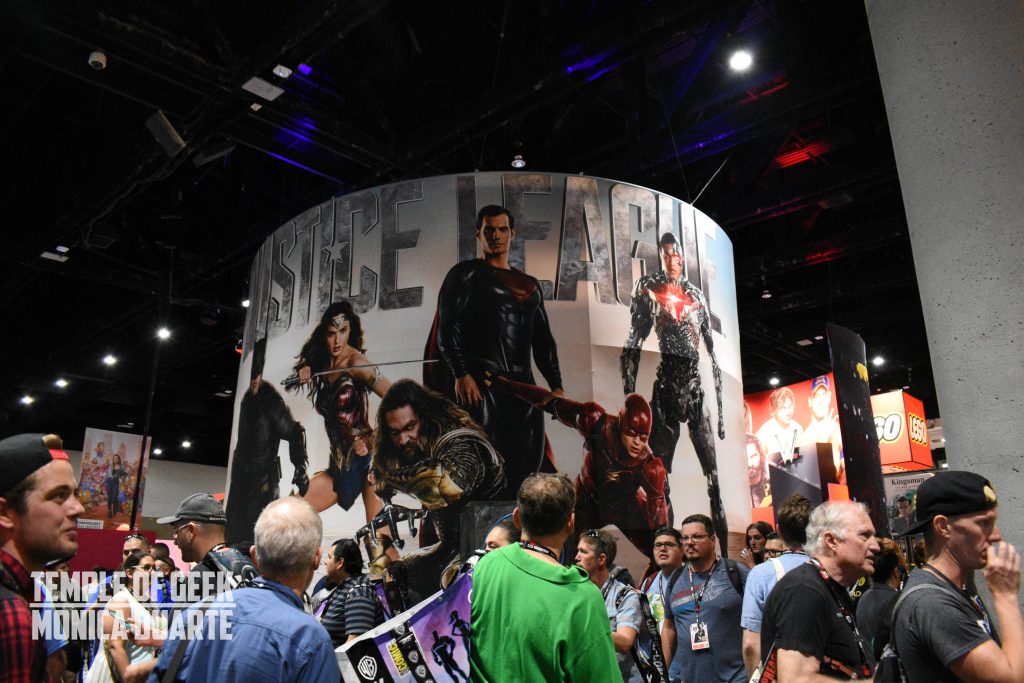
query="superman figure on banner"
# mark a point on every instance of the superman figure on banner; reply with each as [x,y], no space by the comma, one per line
[675,309]
[490,317]
[621,482]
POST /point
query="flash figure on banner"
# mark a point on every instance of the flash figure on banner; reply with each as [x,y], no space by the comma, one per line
[621,481]
[263,422]
[490,317]
[429,448]
[340,393]
[676,310]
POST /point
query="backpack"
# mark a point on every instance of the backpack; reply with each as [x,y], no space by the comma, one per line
[652,668]
[889,668]
[739,582]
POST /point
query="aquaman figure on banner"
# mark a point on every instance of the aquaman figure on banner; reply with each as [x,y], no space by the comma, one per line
[263,422]
[676,310]
[429,448]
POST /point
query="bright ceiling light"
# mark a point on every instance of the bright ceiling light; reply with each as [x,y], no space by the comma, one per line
[741,60]
[878,361]
[109,359]
[186,444]
[774,381]
[281,71]
[61,382]
[766,294]
[518,161]
[245,303]
[163,333]
[158,451]
[27,400]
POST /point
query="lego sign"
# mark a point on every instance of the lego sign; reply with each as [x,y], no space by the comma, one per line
[902,432]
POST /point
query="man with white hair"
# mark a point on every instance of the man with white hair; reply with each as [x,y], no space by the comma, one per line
[808,625]
[260,634]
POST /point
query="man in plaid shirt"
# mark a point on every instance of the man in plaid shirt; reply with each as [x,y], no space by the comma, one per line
[38,519]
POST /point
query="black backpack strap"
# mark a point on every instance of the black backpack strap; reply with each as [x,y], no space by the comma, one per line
[738,581]
[179,651]
[899,601]
[666,591]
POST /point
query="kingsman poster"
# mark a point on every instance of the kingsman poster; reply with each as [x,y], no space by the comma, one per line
[435,341]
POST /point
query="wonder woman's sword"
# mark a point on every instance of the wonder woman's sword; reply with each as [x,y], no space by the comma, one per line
[292,381]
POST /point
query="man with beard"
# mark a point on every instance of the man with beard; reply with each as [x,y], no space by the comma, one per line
[263,422]
[621,482]
[490,317]
[677,312]
[430,449]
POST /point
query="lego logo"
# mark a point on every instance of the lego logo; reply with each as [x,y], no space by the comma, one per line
[889,427]
[918,430]
[367,668]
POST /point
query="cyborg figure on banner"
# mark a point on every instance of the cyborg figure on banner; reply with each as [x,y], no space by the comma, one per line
[621,481]
[429,448]
[340,393]
[490,317]
[675,309]
[263,422]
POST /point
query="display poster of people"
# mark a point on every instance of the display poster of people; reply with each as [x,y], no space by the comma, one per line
[413,347]
[901,493]
[787,430]
[429,642]
[110,468]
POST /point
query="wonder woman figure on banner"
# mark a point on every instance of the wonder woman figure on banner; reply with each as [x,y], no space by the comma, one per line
[676,310]
[342,397]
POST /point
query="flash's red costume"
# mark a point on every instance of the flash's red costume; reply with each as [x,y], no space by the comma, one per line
[612,487]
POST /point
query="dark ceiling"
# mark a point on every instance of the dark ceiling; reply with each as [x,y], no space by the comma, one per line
[793,158]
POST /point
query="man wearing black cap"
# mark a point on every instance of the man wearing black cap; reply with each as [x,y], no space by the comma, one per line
[38,519]
[198,531]
[944,632]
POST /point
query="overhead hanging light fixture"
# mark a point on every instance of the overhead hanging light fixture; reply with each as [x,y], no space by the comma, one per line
[518,161]
[741,60]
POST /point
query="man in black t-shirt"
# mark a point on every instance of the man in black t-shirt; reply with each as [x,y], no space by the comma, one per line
[944,632]
[808,616]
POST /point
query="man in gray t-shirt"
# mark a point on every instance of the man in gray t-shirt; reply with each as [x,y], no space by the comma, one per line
[943,632]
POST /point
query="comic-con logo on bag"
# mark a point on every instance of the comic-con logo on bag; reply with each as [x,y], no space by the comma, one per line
[367,668]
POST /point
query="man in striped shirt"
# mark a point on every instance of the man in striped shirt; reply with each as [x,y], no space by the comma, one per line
[350,609]
[38,519]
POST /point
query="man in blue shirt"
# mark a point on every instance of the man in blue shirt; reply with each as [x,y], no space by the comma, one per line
[260,634]
[792,527]
[704,635]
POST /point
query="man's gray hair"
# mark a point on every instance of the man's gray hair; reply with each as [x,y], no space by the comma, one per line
[287,536]
[835,516]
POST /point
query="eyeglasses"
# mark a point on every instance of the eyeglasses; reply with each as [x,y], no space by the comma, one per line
[136,535]
[175,532]
[696,538]
[665,544]
[592,534]
[772,553]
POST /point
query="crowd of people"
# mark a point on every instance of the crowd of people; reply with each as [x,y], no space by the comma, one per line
[784,610]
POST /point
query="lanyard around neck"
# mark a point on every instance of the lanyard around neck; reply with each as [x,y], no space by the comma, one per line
[847,617]
[537,548]
[700,596]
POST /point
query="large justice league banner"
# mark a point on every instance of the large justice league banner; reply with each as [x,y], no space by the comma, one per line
[416,346]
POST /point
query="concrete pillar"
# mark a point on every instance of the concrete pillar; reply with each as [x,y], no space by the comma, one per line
[952,74]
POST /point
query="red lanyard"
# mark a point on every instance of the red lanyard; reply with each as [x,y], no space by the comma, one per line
[848,617]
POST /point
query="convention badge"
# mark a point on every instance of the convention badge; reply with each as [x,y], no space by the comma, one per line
[699,636]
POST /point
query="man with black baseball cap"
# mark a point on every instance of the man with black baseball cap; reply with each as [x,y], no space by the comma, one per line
[198,530]
[38,520]
[943,631]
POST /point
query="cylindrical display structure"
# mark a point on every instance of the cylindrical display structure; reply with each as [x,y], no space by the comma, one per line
[530,324]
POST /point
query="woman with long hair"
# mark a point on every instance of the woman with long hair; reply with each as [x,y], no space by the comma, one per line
[112,484]
[756,537]
[131,610]
[341,397]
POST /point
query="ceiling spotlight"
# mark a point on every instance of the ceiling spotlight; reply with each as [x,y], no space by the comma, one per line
[27,400]
[878,361]
[281,71]
[61,382]
[245,303]
[255,106]
[741,60]
[158,451]
[61,249]
[186,444]
[518,161]
[774,381]
[109,359]
[163,333]
[766,294]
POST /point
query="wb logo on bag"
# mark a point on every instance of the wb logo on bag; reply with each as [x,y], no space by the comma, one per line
[367,668]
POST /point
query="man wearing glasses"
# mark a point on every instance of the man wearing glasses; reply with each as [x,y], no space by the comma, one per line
[198,531]
[704,635]
[668,556]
